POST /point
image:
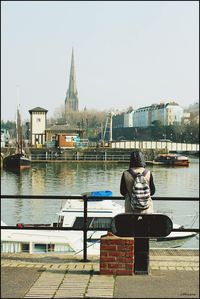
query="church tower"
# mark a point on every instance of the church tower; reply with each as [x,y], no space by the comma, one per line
[71,100]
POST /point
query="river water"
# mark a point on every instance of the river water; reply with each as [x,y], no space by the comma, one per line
[75,178]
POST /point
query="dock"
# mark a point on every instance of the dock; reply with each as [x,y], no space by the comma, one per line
[174,273]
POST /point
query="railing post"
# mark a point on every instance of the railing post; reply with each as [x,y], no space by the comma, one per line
[85,229]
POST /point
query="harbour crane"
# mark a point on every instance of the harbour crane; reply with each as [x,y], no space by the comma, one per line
[108,126]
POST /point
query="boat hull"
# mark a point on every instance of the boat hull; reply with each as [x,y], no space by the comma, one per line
[170,163]
[16,161]
[71,242]
[170,160]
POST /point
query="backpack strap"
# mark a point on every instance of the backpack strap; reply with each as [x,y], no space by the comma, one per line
[145,172]
[134,175]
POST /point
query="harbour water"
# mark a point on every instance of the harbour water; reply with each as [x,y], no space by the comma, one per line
[76,178]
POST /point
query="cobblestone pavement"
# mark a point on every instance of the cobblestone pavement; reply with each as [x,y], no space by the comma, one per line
[61,277]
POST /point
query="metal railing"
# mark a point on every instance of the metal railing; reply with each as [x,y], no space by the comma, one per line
[171,146]
[85,227]
[78,157]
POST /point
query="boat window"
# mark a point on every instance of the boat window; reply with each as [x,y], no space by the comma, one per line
[103,222]
[25,247]
[93,222]
[78,224]
[51,247]
[40,248]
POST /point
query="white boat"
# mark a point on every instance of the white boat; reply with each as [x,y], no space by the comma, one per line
[100,213]
[71,215]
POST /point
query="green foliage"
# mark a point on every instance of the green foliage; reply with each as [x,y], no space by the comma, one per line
[185,133]
[10,126]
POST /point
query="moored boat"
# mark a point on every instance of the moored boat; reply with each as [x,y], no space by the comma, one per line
[170,160]
[17,160]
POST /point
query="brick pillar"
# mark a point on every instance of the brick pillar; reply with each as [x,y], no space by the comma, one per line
[116,255]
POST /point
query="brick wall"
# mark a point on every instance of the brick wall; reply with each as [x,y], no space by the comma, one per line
[116,255]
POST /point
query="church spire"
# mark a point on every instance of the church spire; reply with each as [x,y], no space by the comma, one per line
[72,79]
[71,100]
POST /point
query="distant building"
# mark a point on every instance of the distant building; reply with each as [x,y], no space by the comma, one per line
[167,113]
[37,125]
[5,137]
[186,117]
[71,100]
[123,120]
[174,113]
[61,129]
[128,119]
[196,119]
[193,109]
[60,136]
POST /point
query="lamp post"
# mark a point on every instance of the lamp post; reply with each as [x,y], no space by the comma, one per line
[191,137]
[181,137]
[111,126]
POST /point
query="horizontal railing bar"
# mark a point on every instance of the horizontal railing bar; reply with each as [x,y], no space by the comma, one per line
[95,197]
[42,196]
[88,229]
[42,228]
[176,198]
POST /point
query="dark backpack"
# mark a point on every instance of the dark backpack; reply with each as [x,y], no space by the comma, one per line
[141,193]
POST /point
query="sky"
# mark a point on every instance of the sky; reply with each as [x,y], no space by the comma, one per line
[126,53]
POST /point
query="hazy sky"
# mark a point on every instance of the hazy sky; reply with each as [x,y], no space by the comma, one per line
[132,53]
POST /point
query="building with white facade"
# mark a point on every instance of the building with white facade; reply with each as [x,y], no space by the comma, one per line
[37,125]
[169,113]
[128,119]
[5,137]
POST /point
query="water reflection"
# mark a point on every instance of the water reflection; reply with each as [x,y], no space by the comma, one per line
[38,176]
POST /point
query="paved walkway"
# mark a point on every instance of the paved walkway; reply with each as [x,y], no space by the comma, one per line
[173,274]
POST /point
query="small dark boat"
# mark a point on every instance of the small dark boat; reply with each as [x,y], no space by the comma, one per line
[18,160]
[170,160]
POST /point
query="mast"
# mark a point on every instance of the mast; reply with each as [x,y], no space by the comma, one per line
[18,125]
[19,131]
